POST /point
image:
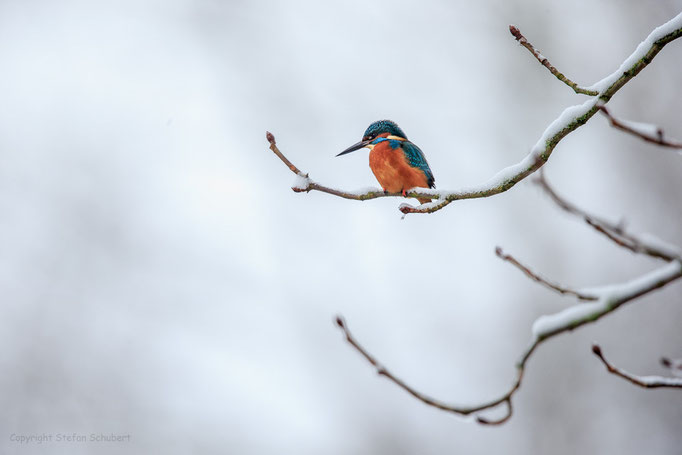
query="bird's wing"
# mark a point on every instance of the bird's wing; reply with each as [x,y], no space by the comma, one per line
[417,159]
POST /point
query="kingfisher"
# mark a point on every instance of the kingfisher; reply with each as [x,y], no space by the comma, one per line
[398,164]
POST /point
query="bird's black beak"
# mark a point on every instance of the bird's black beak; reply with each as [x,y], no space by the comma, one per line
[355,147]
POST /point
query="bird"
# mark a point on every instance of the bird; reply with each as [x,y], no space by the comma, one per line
[398,164]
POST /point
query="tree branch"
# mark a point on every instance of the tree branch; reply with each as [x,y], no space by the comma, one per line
[614,232]
[570,119]
[537,278]
[546,327]
[544,62]
[649,133]
[648,382]
[461,410]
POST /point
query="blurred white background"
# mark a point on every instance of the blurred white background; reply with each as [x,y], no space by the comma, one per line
[158,277]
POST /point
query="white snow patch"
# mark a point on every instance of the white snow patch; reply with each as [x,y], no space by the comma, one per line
[660,380]
[567,117]
[645,129]
[301,182]
[549,323]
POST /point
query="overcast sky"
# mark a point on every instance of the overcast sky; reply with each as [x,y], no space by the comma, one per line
[159,279]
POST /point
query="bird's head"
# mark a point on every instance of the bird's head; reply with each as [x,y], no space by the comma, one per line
[379,129]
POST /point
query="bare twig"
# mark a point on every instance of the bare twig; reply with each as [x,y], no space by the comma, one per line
[461,410]
[615,232]
[658,139]
[667,274]
[273,146]
[544,62]
[535,277]
[648,382]
[619,240]
[570,120]
[675,366]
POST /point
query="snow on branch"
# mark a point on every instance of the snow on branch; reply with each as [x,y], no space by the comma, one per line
[568,121]
[610,298]
[646,131]
[648,382]
[601,301]
[642,244]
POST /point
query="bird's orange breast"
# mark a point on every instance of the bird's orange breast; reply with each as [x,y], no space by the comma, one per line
[392,169]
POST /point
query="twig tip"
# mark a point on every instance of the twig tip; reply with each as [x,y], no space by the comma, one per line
[666,362]
[515,32]
[340,322]
[596,350]
[270,137]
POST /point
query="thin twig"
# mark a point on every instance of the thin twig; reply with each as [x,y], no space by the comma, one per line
[533,276]
[658,139]
[674,365]
[618,240]
[544,62]
[648,382]
[273,146]
[461,410]
[614,232]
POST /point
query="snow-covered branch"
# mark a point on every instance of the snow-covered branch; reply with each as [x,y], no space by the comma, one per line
[646,131]
[570,119]
[642,244]
[610,298]
[601,301]
[648,382]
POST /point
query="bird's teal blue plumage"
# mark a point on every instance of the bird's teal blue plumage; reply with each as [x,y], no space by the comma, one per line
[417,159]
[384,126]
[397,163]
